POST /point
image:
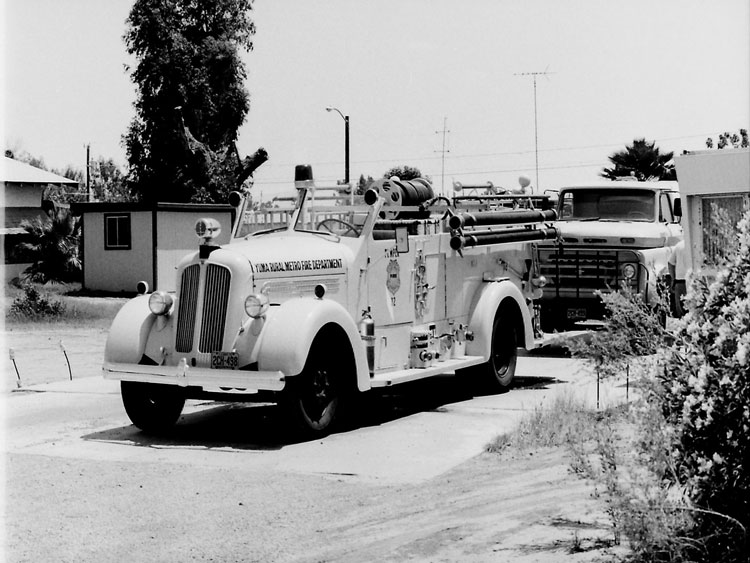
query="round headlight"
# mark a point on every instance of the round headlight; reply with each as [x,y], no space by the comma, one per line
[160,302]
[256,305]
[628,271]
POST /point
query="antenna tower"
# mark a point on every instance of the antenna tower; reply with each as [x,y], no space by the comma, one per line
[536,130]
[443,151]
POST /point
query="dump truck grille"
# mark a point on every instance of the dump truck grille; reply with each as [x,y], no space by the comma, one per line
[587,269]
[215,292]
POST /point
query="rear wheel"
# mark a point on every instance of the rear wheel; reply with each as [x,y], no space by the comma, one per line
[501,367]
[314,399]
[152,407]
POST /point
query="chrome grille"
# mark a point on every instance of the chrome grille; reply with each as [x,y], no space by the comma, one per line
[215,301]
[586,269]
[188,304]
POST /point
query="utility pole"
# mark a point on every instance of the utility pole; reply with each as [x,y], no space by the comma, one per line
[88,172]
[444,150]
[536,133]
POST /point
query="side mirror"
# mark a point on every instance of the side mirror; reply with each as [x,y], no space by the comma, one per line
[678,209]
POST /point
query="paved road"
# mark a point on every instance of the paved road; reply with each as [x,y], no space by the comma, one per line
[415,432]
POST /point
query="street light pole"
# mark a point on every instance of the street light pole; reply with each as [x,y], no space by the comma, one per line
[346,141]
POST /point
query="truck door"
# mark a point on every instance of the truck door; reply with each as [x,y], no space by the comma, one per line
[666,215]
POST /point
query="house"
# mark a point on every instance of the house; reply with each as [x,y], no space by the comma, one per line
[126,243]
[23,198]
[715,188]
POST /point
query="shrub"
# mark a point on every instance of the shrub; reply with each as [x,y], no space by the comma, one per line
[35,305]
[53,245]
[685,494]
[706,397]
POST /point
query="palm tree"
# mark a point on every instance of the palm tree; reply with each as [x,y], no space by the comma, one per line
[641,161]
[53,245]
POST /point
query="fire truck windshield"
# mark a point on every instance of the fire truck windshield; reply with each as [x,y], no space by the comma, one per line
[607,204]
[320,214]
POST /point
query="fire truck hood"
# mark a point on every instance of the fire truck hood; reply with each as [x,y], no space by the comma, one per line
[630,234]
[293,254]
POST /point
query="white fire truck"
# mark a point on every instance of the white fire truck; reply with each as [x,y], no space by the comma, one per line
[385,289]
[610,234]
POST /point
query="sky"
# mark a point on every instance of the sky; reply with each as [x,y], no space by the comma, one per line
[435,84]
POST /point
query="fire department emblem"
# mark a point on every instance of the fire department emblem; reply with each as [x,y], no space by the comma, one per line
[393,281]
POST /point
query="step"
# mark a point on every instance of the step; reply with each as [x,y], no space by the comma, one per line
[386,379]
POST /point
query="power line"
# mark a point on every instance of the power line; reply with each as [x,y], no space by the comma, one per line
[397,159]
[497,171]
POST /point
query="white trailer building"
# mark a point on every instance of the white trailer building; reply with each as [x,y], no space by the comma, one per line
[715,186]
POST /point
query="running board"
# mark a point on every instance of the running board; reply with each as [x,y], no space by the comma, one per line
[389,378]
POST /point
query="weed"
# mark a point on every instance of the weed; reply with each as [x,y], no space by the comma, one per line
[547,426]
[35,305]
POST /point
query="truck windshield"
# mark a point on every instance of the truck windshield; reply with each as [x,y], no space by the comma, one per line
[319,212]
[608,204]
[328,214]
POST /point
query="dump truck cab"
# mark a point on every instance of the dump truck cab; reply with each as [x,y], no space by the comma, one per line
[611,235]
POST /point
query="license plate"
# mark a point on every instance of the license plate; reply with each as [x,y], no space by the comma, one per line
[224,360]
[577,314]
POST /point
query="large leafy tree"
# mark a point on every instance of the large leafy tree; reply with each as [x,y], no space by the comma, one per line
[641,161]
[405,172]
[191,98]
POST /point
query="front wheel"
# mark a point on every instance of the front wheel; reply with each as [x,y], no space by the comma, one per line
[314,398]
[152,407]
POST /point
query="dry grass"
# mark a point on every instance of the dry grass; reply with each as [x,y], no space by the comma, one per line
[561,423]
[79,309]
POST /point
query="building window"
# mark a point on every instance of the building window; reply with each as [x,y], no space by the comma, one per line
[117,231]
[720,216]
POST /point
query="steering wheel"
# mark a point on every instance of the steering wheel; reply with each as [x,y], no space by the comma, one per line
[349,226]
[637,215]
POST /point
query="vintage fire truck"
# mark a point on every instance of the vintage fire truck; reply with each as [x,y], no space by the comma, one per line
[611,234]
[384,289]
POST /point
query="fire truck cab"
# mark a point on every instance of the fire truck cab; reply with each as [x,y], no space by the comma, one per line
[391,287]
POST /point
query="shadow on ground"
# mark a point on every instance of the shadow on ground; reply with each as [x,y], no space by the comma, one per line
[262,427]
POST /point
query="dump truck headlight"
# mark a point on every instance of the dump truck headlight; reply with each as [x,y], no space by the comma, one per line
[629,271]
[256,305]
[160,302]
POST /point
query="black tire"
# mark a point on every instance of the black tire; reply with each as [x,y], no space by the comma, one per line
[152,408]
[314,400]
[501,367]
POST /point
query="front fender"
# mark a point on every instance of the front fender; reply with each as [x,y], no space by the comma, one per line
[655,262]
[491,296]
[129,332]
[290,329]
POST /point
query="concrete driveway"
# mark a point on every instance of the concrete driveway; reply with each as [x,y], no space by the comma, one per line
[412,433]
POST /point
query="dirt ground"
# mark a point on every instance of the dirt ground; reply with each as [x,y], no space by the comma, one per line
[493,508]
[517,506]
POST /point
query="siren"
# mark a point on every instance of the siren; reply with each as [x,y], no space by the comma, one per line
[303,176]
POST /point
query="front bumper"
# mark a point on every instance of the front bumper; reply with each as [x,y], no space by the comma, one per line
[183,375]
